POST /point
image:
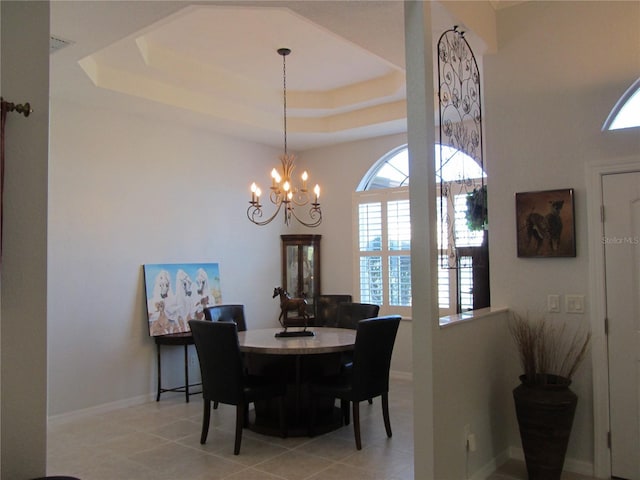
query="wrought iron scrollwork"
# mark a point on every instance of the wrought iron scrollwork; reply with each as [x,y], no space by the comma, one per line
[460,115]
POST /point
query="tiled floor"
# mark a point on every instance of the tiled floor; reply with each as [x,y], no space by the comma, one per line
[161,441]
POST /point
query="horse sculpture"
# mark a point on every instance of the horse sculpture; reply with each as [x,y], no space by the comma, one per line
[287,304]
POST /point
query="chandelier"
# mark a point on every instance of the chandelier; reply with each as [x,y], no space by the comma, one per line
[283,194]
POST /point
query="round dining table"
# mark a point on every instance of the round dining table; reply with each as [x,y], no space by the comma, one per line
[295,360]
[324,340]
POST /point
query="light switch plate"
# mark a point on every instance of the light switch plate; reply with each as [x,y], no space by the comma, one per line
[574,303]
[553,303]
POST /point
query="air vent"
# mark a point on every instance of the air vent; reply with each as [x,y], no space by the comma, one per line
[56,43]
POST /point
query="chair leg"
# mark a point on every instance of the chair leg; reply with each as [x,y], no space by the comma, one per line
[356,424]
[206,415]
[240,415]
[385,413]
[344,406]
[245,421]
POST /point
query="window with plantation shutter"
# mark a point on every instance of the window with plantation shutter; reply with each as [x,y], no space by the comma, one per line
[383,242]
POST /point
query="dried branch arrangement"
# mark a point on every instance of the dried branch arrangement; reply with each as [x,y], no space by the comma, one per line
[549,353]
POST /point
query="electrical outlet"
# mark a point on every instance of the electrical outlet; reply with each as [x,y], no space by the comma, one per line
[471,442]
[466,432]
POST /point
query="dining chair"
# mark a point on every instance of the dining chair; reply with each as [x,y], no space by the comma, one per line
[367,378]
[227,313]
[348,314]
[327,309]
[224,378]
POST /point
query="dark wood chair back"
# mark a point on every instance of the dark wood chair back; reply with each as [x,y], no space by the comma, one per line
[223,376]
[375,338]
[327,309]
[227,313]
[350,313]
[221,364]
[367,377]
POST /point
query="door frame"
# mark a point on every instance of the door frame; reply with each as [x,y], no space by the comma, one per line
[599,357]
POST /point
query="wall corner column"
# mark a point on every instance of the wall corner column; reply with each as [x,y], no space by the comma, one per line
[421,141]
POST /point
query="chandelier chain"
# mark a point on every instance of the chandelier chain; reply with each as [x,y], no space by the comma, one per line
[286,196]
[284,92]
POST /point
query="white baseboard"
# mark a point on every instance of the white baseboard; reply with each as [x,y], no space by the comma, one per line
[570,464]
[489,468]
[103,408]
[401,375]
[130,402]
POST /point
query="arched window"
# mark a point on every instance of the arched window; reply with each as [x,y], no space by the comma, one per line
[383,241]
[626,112]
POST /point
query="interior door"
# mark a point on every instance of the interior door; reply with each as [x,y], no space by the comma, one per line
[621,200]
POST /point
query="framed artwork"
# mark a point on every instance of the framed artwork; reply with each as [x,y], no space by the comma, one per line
[177,293]
[546,224]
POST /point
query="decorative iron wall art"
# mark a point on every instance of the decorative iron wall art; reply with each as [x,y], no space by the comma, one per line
[460,128]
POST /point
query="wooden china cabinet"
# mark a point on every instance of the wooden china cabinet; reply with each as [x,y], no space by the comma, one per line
[301,267]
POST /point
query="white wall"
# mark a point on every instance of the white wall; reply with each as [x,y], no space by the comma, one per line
[23,321]
[558,71]
[472,365]
[117,200]
[339,169]
[125,191]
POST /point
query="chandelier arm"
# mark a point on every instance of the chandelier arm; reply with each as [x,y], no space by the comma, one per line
[315,214]
[275,197]
[255,211]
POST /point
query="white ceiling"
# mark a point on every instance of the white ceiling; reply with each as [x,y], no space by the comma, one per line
[214,65]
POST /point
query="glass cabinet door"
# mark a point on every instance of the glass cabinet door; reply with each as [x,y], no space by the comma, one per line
[301,267]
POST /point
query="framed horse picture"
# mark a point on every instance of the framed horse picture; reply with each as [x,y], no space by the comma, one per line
[177,293]
[546,224]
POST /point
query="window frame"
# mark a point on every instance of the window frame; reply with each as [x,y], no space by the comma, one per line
[383,196]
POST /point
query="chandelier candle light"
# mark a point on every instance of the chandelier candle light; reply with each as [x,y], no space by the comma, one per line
[283,194]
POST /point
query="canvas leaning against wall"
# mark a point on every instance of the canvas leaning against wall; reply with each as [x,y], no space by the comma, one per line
[177,293]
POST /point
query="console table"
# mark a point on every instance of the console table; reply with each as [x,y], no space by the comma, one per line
[184,339]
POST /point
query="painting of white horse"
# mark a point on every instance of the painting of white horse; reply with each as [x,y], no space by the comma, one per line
[177,293]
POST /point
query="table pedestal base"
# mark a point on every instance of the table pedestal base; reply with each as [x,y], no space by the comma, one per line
[266,421]
[296,371]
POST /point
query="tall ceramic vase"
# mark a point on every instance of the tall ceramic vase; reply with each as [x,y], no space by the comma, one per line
[545,414]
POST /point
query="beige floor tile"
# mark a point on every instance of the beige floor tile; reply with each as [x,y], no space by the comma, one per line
[338,471]
[331,447]
[253,474]
[221,443]
[176,430]
[161,441]
[293,465]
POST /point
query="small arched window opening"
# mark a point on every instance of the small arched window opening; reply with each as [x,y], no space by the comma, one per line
[382,223]
[626,112]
